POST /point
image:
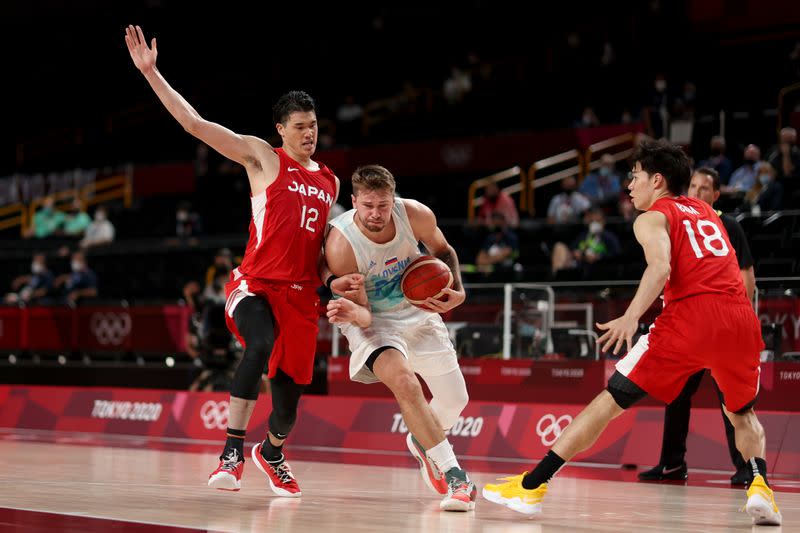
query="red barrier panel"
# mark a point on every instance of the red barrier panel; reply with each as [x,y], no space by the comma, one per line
[10,328]
[485,429]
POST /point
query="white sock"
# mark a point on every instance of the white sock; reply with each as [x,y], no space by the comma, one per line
[442,455]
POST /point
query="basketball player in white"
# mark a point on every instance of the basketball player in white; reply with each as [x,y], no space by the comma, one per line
[378,239]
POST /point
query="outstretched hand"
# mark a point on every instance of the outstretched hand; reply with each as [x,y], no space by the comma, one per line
[144,57]
[618,332]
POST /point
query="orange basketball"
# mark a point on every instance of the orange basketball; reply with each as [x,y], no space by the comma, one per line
[424,278]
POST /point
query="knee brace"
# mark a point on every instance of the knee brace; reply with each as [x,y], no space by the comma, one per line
[285,397]
[624,391]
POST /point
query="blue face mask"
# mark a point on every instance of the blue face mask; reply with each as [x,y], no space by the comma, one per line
[765,179]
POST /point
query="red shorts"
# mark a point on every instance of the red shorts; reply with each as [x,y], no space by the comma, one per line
[718,332]
[295,310]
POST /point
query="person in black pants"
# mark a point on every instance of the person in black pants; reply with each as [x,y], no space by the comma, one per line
[672,464]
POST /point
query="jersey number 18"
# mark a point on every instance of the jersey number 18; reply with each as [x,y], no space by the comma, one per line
[711,236]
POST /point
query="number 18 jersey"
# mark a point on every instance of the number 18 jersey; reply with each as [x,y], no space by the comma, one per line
[288,224]
[702,259]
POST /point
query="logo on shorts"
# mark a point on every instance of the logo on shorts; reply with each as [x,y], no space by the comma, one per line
[214,414]
[110,328]
[549,427]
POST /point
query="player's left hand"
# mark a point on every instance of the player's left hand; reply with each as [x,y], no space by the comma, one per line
[617,332]
[449,299]
[343,311]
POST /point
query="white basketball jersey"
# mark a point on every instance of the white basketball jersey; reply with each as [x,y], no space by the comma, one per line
[383,264]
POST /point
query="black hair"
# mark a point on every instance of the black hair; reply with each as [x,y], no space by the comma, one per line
[710,172]
[289,103]
[667,159]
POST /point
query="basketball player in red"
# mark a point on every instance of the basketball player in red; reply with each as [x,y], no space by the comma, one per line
[707,322]
[271,298]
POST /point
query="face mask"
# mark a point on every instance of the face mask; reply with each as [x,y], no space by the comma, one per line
[765,179]
[595,227]
[661,85]
[76,266]
[605,171]
[750,162]
[37,268]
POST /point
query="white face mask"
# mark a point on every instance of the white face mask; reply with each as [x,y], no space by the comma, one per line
[37,268]
[595,227]
[76,266]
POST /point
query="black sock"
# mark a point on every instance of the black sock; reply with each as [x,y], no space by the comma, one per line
[273,454]
[759,467]
[235,441]
[545,470]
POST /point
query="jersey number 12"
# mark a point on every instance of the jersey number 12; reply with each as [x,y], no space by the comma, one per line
[712,238]
[312,214]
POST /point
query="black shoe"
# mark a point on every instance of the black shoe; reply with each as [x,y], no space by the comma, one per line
[662,473]
[743,477]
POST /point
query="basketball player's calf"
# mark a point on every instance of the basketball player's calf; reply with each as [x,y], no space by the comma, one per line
[392,368]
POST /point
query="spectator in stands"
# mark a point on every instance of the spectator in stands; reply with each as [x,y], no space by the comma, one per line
[223,265]
[47,221]
[766,194]
[187,221]
[785,158]
[745,176]
[457,86]
[76,220]
[602,185]
[349,118]
[568,205]
[500,249]
[496,200]
[80,283]
[657,110]
[718,160]
[588,119]
[34,287]
[593,245]
[100,231]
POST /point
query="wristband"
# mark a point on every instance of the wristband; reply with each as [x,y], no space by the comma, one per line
[330,280]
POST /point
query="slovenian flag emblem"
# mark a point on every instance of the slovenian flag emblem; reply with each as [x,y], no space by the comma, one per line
[391,261]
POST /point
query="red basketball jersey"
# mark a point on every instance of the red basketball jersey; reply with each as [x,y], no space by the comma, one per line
[288,223]
[703,260]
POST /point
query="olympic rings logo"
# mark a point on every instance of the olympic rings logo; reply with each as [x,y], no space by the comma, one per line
[214,414]
[110,328]
[549,427]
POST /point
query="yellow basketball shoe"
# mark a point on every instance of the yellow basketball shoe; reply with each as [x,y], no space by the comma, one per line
[761,504]
[514,496]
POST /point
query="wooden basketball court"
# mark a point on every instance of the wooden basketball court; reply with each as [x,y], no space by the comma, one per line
[47,486]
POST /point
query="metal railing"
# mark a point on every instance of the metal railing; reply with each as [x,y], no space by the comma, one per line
[533,182]
[475,201]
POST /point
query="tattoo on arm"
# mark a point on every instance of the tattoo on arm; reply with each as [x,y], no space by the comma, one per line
[448,255]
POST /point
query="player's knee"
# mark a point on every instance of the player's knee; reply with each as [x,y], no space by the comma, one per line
[404,385]
[258,348]
[624,391]
[281,421]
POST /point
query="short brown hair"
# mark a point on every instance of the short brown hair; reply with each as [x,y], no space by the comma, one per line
[711,173]
[372,178]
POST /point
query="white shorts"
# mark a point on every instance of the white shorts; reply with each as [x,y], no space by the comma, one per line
[423,340]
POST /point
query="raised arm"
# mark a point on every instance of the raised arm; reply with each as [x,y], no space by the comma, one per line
[255,154]
[426,230]
[650,229]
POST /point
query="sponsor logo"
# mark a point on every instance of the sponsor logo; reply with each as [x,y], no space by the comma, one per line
[296,287]
[464,426]
[110,329]
[145,412]
[549,427]
[790,375]
[514,371]
[566,372]
[471,370]
[214,414]
[292,169]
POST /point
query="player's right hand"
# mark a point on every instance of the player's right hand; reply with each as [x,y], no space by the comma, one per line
[144,58]
[350,286]
[343,311]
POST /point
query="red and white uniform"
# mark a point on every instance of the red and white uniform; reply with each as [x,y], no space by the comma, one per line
[707,321]
[280,262]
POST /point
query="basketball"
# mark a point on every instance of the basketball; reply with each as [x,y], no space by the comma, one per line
[424,278]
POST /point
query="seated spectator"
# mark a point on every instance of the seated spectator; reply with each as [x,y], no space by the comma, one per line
[568,205]
[588,119]
[223,265]
[785,158]
[497,201]
[718,160]
[76,220]
[79,284]
[766,194]
[32,288]
[349,118]
[100,230]
[187,221]
[602,185]
[593,245]
[47,221]
[500,248]
[457,86]
[744,177]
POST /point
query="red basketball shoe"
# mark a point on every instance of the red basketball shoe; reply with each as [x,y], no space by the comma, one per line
[228,475]
[281,479]
[433,477]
